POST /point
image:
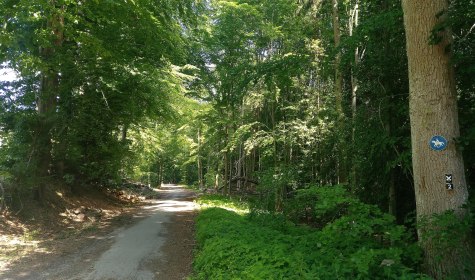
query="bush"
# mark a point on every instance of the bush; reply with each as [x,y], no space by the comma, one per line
[355,241]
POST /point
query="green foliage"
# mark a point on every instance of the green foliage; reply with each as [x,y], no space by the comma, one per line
[446,230]
[217,200]
[264,122]
[447,235]
[357,243]
[210,179]
[274,183]
[460,20]
[115,63]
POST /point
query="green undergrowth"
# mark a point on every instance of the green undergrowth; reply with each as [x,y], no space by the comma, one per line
[357,241]
[224,202]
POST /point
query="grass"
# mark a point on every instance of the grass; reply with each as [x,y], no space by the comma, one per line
[224,202]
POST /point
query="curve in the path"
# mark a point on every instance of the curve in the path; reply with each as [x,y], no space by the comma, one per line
[132,253]
[141,243]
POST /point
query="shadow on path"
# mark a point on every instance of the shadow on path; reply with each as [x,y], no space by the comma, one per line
[158,245]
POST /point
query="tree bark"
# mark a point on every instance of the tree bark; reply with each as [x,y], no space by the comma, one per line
[433,111]
[338,91]
[354,18]
[199,162]
[46,104]
[392,193]
[124,133]
[160,173]
[226,172]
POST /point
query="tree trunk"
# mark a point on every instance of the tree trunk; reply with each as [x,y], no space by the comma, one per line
[338,90]
[226,172]
[239,167]
[392,193]
[199,163]
[433,111]
[160,173]
[124,133]
[46,104]
[354,88]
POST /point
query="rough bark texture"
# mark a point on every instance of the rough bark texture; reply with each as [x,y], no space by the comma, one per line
[433,111]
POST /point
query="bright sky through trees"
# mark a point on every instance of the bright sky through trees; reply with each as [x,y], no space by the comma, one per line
[273,99]
[7,74]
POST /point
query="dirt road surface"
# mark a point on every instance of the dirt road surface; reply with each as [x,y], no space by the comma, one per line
[157,244]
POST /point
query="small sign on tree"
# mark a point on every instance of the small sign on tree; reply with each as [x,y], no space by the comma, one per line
[449,182]
[438,143]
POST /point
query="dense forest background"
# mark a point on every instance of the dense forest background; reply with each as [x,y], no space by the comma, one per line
[265,99]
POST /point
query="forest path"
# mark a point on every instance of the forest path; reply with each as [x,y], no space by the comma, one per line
[158,245]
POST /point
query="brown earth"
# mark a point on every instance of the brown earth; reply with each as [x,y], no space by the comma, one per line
[63,240]
[176,262]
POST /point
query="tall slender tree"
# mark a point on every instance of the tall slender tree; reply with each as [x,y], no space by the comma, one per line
[338,90]
[48,92]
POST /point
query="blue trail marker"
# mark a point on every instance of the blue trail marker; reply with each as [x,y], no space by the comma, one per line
[438,143]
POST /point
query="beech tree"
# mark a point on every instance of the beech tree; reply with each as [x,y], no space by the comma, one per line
[439,178]
[87,71]
[47,97]
[267,98]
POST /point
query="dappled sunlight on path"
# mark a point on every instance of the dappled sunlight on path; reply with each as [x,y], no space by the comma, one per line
[136,252]
[141,243]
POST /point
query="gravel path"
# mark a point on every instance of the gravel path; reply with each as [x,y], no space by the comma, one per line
[158,245]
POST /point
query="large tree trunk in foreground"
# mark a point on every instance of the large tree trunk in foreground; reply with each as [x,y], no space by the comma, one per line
[433,111]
